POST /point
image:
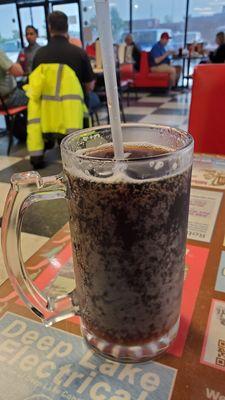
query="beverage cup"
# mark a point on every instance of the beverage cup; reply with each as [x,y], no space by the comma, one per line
[128,223]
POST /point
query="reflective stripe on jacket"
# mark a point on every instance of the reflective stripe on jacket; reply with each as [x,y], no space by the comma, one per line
[56,104]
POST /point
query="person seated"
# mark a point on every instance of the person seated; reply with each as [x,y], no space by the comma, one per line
[26,56]
[218,56]
[159,60]
[132,53]
[9,92]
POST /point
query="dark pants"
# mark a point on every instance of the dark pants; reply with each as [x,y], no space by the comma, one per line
[93,101]
[16,99]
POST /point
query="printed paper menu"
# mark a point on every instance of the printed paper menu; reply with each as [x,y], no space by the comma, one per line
[213,352]
[208,172]
[204,207]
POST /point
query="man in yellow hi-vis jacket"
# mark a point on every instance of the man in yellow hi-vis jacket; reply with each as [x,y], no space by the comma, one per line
[56,105]
[61,53]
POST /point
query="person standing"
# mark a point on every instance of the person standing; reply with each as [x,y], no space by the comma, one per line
[42,130]
[26,56]
[159,59]
[60,50]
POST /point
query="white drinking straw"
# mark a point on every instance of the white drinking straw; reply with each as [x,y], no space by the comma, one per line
[106,43]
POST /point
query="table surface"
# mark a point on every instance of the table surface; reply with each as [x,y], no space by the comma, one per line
[193,56]
[51,363]
[98,70]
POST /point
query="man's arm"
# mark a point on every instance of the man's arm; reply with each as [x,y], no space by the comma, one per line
[159,59]
[89,86]
[7,65]
[16,70]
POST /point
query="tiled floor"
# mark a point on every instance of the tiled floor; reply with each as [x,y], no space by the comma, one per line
[45,218]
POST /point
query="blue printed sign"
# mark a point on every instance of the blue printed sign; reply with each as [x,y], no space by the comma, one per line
[39,363]
[220,279]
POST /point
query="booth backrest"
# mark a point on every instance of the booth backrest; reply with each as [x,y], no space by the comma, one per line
[126,71]
[144,65]
[207,111]
[90,50]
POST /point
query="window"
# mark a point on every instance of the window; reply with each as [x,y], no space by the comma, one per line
[152,17]
[120,14]
[206,18]
[9,31]
[34,16]
[72,12]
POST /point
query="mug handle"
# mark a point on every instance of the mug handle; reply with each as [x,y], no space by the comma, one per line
[26,189]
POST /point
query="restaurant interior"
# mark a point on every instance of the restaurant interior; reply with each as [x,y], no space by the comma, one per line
[193,103]
[144,97]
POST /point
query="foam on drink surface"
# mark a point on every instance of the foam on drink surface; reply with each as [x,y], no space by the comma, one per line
[141,161]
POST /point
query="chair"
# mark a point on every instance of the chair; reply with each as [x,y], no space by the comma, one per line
[90,50]
[127,80]
[10,115]
[127,72]
[94,113]
[101,91]
[206,123]
[145,78]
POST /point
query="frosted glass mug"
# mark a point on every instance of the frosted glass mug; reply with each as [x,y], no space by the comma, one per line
[128,223]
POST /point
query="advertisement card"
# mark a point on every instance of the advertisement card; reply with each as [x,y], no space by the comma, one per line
[220,279]
[204,207]
[213,351]
[208,172]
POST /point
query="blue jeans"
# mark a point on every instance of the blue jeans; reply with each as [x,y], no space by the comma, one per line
[94,101]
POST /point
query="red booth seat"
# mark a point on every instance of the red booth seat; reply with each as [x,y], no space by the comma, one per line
[127,72]
[207,110]
[146,78]
[90,50]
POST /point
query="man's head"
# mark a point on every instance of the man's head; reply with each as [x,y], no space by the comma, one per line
[31,34]
[165,37]
[58,23]
[128,40]
[220,38]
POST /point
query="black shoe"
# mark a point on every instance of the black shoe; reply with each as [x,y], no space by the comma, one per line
[37,162]
[177,88]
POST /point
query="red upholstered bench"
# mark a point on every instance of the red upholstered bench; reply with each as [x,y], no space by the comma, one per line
[10,116]
[145,78]
[127,72]
[206,123]
[90,50]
